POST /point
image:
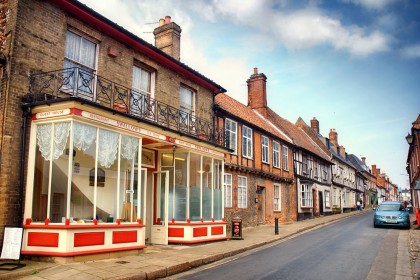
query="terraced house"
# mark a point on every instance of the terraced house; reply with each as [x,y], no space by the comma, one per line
[117,146]
[259,168]
[343,190]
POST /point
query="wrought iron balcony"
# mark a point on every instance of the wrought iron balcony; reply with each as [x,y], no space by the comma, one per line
[78,83]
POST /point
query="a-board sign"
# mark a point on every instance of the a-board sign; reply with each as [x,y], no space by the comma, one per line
[12,244]
[237,229]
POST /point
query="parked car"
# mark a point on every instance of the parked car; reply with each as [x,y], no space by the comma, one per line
[391,213]
[410,208]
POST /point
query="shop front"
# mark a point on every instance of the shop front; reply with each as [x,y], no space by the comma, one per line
[99,182]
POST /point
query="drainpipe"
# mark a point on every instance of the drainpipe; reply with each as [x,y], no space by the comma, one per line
[26,111]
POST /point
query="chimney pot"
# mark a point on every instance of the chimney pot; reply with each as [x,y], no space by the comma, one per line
[364,160]
[255,70]
[168,37]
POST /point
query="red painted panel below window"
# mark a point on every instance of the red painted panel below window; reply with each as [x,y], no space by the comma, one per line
[216,230]
[201,231]
[43,239]
[176,232]
[124,236]
[89,239]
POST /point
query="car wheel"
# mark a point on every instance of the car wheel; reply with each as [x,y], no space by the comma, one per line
[375,225]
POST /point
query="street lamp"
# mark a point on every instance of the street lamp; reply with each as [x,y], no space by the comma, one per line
[409,138]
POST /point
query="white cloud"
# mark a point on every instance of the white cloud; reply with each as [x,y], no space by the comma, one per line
[298,29]
[411,51]
[372,4]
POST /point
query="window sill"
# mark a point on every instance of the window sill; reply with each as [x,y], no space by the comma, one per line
[306,207]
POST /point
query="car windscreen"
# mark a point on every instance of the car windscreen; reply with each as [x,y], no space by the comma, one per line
[390,207]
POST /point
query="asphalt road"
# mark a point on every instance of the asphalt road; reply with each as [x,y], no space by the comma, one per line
[349,249]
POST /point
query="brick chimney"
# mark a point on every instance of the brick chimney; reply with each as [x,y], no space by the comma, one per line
[257,93]
[168,37]
[315,125]
[343,151]
[333,137]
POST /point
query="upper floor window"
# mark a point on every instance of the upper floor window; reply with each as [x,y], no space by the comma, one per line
[231,130]
[142,81]
[81,53]
[228,190]
[186,107]
[285,158]
[242,192]
[277,197]
[264,149]
[143,90]
[247,142]
[186,100]
[276,154]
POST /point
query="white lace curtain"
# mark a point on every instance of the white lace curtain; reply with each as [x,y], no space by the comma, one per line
[59,139]
[84,137]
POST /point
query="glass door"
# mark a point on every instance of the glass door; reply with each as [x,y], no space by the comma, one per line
[159,234]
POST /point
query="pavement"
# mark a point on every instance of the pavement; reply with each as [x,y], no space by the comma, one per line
[156,262]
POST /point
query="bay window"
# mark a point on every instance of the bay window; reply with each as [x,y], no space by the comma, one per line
[68,154]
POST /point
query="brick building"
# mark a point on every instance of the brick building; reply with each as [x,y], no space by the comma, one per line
[413,161]
[259,168]
[103,148]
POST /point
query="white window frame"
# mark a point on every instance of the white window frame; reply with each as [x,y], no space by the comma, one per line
[277,197]
[265,147]
[150,92]
[87,70]
[327,198]
[247,142]
[184,110]
[285,158]
[306,196]
[78,62]
[233,135]
[242,192]
[228,190]
[276,154]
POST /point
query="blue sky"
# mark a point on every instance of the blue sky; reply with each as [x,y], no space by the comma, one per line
[352,64]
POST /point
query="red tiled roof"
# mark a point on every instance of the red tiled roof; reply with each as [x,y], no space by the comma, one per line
[247,114]
[300,138]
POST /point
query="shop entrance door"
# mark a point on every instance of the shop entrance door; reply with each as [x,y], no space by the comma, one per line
[159,234]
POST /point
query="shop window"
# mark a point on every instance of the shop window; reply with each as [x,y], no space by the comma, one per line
[88,141]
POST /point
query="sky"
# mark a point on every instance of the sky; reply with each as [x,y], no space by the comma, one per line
[352,64]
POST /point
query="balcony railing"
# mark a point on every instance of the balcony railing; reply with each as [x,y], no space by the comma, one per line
[85,85]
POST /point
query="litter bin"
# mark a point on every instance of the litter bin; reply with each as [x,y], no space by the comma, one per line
[237,229]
